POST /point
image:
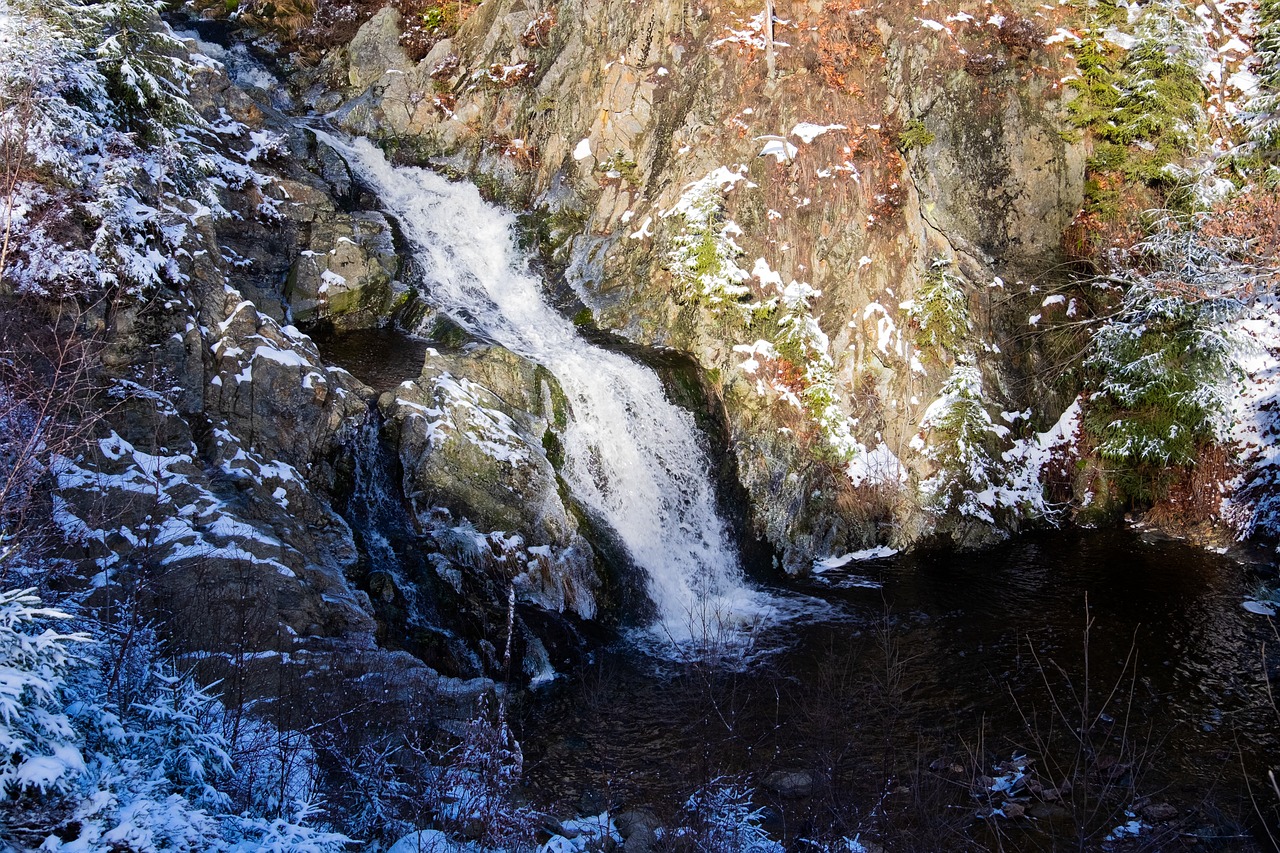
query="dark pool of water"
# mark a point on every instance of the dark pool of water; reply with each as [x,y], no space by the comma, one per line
[380,358]
[958,661]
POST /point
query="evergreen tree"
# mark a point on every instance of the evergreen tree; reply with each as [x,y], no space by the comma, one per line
[1264,107]
[1164,361]
[941,310]
[962,443]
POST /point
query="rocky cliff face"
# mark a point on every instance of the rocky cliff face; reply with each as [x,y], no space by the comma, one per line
[216,492]
[846,218]
[776,216]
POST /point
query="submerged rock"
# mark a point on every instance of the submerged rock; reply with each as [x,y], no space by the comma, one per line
[791,783]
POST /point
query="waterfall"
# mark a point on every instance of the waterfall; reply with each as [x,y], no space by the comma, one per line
[632,458]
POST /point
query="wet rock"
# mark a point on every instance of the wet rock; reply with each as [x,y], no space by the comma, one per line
[627,115]
[633,820]
[1047,811]
[473,434]
[346,274]
[638,829]
[1156,812]
[791,783]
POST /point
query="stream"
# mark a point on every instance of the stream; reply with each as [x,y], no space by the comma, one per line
[929,695]
[887,698]
[900,695]
[633,460]
[896,682]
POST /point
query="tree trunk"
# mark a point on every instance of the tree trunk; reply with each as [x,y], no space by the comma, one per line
[769,59]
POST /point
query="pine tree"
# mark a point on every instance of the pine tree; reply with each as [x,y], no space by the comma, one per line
[1164,361]
[962,441]
[941,310]
[1264,107]
[147,68]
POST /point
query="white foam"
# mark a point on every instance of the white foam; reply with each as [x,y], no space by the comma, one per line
[631,457]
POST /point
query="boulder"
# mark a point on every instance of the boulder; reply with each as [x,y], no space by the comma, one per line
[346,274]
[376,49]
[791,784]
[476,437]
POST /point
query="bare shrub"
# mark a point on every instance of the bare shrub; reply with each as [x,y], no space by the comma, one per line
[46,383]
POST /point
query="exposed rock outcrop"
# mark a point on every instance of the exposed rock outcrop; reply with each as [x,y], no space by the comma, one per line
[879,152]
[474,434]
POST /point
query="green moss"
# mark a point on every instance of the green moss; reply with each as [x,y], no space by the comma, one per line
[554,449]
[583,317]
[564,224]
[546,382]
[706,255]
[1144,106]
[621,166]
[449,334]
[915,135]
[433,18]
[491,188]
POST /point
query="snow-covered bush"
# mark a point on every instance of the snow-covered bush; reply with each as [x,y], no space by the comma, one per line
[1161,99]
[801,341]
[1140,94]
[476,794]
[1264,108]
[291,834]
[383,781]
[109,165]
[702,253]
[147,68]
[176,728]
[39,747]
[962,442]
[1164,367]
[83,773]
[722,820]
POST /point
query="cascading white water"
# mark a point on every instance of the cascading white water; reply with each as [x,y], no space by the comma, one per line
[631,457]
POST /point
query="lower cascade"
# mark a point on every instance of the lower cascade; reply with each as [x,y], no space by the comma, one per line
[632,458]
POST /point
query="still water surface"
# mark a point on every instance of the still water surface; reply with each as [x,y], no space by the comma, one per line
[955,661]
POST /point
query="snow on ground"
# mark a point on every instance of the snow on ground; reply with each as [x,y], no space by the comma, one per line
[751,35]
[1256,422]
[877,467]
[806,131]
[202,525]
[1028,458]
[877,553]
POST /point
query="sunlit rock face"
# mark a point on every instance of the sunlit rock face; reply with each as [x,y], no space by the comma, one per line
[683,189]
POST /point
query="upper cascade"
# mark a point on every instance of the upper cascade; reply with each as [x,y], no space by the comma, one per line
[632,458]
